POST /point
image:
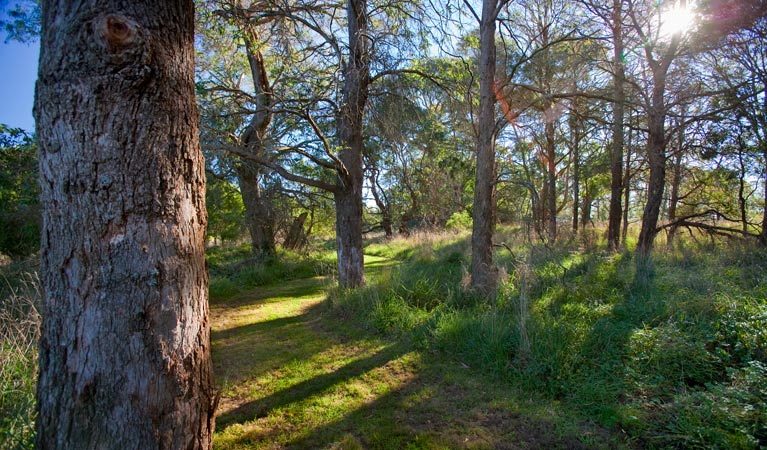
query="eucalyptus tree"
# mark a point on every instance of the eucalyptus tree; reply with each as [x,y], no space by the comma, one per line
[612,15]
[125,351]
[661,48]
[330,54]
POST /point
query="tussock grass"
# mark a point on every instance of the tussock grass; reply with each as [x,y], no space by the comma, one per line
[19,333]
[675,356]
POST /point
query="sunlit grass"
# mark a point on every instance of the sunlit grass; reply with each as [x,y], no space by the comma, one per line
[300,372]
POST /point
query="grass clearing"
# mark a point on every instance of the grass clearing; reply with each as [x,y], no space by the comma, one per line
[298,373]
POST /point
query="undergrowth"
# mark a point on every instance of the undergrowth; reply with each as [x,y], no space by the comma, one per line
[19,332]
[233,270]
[676,360]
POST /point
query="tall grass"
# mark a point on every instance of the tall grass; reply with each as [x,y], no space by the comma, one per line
[19,333]
[676,357]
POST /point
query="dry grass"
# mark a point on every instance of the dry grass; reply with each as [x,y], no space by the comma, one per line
[19,333]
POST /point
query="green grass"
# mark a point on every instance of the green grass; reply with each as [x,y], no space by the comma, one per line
[19,332]
[233,271]
[676,358]
[299,371]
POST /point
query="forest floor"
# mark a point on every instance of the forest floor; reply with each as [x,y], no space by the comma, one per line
[293,374]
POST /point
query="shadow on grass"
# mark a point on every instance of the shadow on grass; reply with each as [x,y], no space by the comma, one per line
[249,351]
[426,411]
[305,389]
[304,287]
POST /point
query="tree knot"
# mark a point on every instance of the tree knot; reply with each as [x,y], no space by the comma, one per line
[118,31]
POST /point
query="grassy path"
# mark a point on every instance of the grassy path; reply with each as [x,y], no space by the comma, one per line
[293,376]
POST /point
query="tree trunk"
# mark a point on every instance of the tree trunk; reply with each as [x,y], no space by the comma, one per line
[616,156]
[124,351]
[676,181]
[483,272]
[742,204]
[626,192]
[348,196]
[383,206]
[258,210]
[586,211]
[576,124]
[551,181]
[763,233]
[296,235]
[656,156]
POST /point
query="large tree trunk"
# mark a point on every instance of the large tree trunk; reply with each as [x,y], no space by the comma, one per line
[124,352]
[484,275]
[616,156]
[259,215]
[348,196]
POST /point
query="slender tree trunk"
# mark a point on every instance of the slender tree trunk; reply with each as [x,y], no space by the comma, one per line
[676,181]
[259,215]
[551,182]
[656,156]
[586,211]
[763,234]
[483,271]
[124,352]
[616,156]
[575,129]
[348,197]
[386,221]
[626,192]
[742,204]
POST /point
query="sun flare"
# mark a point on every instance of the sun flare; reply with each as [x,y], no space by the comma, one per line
[677,20]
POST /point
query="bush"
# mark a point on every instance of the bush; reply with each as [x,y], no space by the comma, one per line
[459,221]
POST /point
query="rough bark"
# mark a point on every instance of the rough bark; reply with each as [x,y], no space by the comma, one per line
[124,353]
[616,155]
[483,271]
[348,196]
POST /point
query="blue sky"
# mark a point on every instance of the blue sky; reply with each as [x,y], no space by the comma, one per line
[18,73]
